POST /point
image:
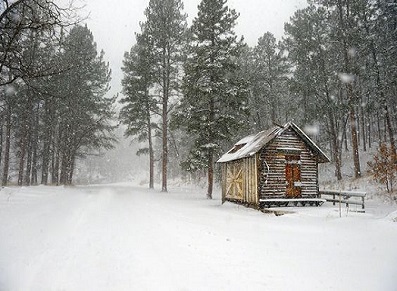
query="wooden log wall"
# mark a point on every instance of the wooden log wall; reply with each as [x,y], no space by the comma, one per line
[272,185]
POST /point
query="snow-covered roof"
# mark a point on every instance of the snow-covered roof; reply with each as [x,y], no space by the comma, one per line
[250,145]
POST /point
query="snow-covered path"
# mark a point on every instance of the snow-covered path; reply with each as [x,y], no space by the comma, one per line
[121,237]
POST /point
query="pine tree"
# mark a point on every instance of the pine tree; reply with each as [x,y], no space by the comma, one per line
[28,29]
[382,34]
[269,70]
[85,112]
[139,104]
[166,27]
[315,82]
[214,105]
[344,32]
[36,54]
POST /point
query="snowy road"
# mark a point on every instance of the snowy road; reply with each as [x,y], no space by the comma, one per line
[121,237]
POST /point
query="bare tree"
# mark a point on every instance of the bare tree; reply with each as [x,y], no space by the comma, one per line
[18,20]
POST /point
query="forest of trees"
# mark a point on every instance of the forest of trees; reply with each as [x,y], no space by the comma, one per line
[191,91]
[334,70]
[52,93]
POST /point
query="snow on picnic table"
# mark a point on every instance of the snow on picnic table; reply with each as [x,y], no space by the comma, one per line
[122,237]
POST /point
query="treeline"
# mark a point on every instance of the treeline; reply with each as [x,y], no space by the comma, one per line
[183,86]
[343,55]
[195,89]
[52,93]
[335,70]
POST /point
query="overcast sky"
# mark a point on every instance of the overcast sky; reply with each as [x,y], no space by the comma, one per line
[114,23]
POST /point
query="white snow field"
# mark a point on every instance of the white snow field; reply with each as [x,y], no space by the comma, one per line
[125,237]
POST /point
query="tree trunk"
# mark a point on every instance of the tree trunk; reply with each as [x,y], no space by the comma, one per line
[343,141]
[55,167]
[56,155]
[349,89]
[273,102]
[1,139]
[379,130]
[390,131]
[33,179]
[151,163]
[35,140]
[46,143]
[21,157]
[72,162]
[335,146]
[165,81]
[356,157]
[363,127]
[369,131]
[210,174]
[7,147]
[45,163]
[29,143]
[211,129]
[63,178]
[28,162]
[150,141]
[332,124]
[165,149]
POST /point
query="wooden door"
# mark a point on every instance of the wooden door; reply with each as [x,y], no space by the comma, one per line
[234,181]
[293,176]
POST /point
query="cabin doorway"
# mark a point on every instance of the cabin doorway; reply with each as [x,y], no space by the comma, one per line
[234,180]
[293,176]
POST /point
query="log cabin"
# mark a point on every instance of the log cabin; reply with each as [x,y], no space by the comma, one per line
[272,168]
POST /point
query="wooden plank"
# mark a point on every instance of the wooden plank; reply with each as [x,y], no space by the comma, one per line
[345,201]
[223,169]
[345,197]
[344,193]
[293,200]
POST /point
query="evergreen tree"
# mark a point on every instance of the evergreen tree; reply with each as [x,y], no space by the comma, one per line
[315,81]
[346,28]
[269,72]
[84,111]
[165,27]
[139,104]
[38,53]
[29,29]
[214,105]
[382,39]
[53,102]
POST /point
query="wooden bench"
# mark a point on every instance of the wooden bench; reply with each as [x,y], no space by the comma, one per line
[294,201]
[345,197]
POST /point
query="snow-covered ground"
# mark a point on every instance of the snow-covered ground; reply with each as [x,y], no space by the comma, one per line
[125,237]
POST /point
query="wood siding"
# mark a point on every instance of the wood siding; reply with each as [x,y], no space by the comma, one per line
[240,181]
[234,181]
[272,182]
